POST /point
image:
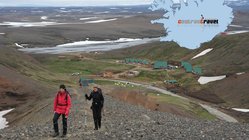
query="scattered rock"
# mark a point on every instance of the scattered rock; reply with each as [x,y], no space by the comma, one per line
[126,121]
[146,117]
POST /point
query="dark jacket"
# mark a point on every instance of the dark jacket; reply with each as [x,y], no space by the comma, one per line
[97,97]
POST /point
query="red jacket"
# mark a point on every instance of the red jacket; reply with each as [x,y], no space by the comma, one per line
[61,104]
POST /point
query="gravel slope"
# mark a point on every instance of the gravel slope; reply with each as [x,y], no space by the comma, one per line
[125,121]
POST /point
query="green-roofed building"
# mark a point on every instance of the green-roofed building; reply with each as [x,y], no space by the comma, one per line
[129,60]
[197,70]
[160,65]
[126,60]
[136,61]
[145,62]
[187,66]
[132,60]
[183,63]
[171,81]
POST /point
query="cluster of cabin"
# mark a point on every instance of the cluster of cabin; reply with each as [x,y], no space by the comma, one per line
[190,69]
[167,65]
[136,61]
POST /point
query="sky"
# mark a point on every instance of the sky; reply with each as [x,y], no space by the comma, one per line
[72,2]
[193,34]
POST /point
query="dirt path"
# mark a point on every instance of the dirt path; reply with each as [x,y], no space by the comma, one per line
[116,76]
[209,108]
[218,113]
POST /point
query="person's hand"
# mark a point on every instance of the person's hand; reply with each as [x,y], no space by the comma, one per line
[86,95]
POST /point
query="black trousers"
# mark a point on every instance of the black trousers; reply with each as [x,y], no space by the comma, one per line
[64,122]
[97,116]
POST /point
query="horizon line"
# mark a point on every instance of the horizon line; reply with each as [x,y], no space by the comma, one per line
[121,5]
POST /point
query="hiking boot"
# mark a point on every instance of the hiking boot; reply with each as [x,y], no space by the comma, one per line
[55,134]
[96,125]
[63,136]
[95,129]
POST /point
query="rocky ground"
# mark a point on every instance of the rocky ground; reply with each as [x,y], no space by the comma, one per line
[124,121]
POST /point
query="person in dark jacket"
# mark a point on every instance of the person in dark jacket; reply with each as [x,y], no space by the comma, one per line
[62,105]
[97,104]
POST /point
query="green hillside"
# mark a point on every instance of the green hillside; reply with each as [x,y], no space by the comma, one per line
[230,55]
[151,51]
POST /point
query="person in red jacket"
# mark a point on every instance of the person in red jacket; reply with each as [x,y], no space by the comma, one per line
[62,104]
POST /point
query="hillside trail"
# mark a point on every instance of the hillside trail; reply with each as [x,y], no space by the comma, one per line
[212,110]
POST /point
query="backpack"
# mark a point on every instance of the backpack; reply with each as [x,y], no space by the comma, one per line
[65,97]
[100,90]
[68,94]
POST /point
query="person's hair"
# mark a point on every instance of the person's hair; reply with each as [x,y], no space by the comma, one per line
[63,87]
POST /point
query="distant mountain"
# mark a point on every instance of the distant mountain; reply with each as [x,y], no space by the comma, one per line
[237,2]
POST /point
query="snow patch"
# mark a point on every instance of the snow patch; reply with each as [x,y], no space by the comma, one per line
[204,80]
[20,46]
[114,8]
[203,53]
[44,17]
[87,42]
[241,110]
[236,32]
[127,16]
[87,18]
[29,24]
[2,33]
[237,26]
[240,73]
[63,10]
[3,121]
[90,46]
[105,12]
[100,21]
